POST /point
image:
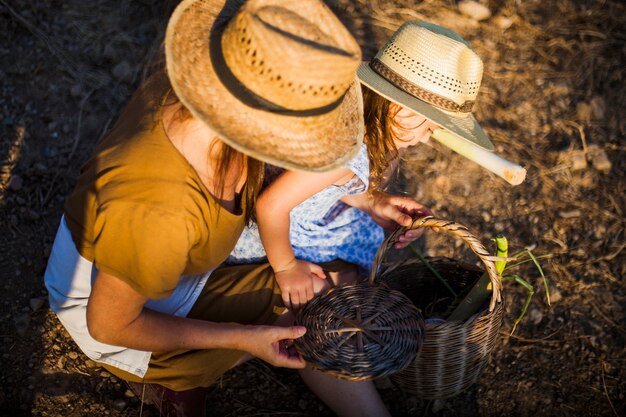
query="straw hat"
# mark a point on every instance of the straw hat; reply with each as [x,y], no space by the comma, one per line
[434,72]
[275,79]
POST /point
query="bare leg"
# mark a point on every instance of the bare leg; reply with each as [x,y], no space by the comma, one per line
[345,398]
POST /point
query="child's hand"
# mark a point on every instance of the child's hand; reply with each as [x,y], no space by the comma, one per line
[297,281]
[390,211]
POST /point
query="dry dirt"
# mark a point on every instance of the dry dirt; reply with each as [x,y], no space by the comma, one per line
[552,99]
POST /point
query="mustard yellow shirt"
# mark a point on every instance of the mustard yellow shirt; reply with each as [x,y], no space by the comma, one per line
[139,210]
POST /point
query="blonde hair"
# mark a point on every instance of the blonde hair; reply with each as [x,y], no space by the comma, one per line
[379,137]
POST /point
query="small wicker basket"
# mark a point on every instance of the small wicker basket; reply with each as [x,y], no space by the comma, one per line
[361,331]
[453,354]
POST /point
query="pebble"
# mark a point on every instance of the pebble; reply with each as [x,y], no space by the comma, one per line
[570,214]
[475,10]
[599,231]
[76,90]
[21,323]
[90,364]
[583,111]
[535,315]
[503,22]
[579,160]
[601,162]
[119,404]
[15,183]
[73,355]
[129,393]
[123,72]
[37,303]
[105,374]
[109,52]
[555,295]
[598,108]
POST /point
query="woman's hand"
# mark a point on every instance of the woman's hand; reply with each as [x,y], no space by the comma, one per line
[297,284]
[274,344]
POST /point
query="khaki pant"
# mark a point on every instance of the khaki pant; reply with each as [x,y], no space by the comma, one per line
[244,294]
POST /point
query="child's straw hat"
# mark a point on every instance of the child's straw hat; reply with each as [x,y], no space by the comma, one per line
[275,79]
[433,71]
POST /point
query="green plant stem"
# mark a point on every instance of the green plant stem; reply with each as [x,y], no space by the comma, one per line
[433,270]
[531,292]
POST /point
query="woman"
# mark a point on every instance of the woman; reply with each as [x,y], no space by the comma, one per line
[132,275]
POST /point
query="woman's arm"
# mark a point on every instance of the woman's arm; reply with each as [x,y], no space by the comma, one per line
[272,211]
[116,316]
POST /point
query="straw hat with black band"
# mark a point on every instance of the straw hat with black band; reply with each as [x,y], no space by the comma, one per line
[274,79]
[432,71]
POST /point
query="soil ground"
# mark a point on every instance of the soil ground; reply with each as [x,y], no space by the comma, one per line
[552,99]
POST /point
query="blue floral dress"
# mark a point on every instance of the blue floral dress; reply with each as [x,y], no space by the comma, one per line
[323,228]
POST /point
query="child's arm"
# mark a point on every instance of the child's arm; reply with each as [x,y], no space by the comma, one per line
[389,211]
[294,277]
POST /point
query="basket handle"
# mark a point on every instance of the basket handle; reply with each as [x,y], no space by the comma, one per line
[459,231]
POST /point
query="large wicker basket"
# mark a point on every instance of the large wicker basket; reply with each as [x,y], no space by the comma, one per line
[453,354]
[361,331]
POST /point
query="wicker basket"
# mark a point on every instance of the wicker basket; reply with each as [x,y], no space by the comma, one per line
[453,354]
[361,331]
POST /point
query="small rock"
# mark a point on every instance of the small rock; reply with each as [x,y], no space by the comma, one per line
[599,231]
[123,71]
[555,295]
[109,52]
[49,151]
[437,406]
[91,124]
[579,160]
[474,10]
[61,362]
[119,404]
[601,162]
[15,183]
[90,364]
[73,355]
[499,226]
[486,216]
[76,90]
[129,393]
[569,214]
[583,111]
[37,303]
[503,22]
[40,168]
[105,374]
[535,316]
[598,108]
[22,323]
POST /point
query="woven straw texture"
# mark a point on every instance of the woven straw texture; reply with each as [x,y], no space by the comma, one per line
[360,331]
[432,71]
[453,354]
[279,85]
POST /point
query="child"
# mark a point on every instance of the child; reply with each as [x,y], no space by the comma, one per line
[425,77]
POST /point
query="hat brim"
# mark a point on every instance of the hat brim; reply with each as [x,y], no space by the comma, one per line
[317,142]
[464,126]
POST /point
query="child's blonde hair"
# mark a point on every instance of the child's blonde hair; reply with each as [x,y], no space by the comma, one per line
[379,117]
